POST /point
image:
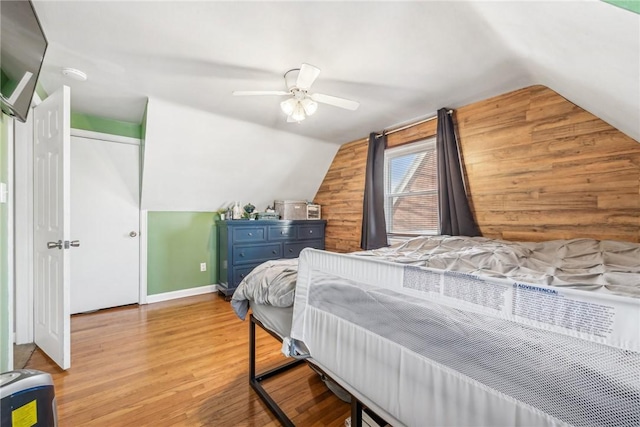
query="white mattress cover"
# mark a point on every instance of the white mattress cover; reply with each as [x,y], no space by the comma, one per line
[276,319]
[606,266]
[360,360]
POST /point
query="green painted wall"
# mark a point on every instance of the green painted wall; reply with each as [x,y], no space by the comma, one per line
[6,84]
[41,92]
[177,242]
[99,124]
[5,332]
[3,77]
[632,5]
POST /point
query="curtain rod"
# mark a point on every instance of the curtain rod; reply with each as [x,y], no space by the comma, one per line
[387,132]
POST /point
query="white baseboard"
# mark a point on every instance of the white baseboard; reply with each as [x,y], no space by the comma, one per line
[182,293]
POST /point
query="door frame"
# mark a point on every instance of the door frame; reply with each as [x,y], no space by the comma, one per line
[9,122]
[24,265]
[23,247]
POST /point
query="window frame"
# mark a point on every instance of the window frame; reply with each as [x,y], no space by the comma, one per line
[425,146]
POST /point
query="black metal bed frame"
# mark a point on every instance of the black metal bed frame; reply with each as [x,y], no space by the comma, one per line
[256,379]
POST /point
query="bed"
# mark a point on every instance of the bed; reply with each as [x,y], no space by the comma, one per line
[465,331]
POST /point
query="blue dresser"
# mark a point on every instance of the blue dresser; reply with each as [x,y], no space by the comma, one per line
[244,244]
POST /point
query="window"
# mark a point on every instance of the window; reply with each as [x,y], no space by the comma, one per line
[411,189]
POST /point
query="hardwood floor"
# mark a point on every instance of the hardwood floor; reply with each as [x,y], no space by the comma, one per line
[178,363]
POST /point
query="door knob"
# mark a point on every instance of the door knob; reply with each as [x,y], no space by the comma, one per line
[75,243]
[53,245]
[133,234]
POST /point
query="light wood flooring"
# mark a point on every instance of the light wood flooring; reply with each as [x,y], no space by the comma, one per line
[178,363]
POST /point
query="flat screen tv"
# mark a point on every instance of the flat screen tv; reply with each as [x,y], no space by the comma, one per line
[23,45]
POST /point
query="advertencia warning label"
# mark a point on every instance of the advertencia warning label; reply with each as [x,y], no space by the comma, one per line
[25,416]
[552,307]
[459,286]
[605,318]
[421,280]
[475,290]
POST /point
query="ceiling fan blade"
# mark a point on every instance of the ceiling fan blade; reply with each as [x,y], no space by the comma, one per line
[260,92]
[335,101]
[306,76]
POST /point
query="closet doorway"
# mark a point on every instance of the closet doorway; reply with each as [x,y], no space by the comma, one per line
[105,218]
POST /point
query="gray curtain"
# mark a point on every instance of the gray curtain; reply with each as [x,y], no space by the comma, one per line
[456,218]
[374,227]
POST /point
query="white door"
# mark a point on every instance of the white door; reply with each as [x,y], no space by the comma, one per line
[51,227]
[105,217]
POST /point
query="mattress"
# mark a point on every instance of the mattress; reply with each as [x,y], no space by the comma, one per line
[427,346]
[276,319]
[605,266]
[602,266]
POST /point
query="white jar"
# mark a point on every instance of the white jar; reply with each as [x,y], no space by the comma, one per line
[237,211]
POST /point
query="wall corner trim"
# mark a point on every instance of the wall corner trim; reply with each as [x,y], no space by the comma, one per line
[166,296]
[104,136]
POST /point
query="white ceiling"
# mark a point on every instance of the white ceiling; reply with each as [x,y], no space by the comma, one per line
[400,60]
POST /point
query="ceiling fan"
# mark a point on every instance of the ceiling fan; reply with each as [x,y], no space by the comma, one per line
[301,103]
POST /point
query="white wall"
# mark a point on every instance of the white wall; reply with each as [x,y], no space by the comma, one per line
[588,52]
[197,161]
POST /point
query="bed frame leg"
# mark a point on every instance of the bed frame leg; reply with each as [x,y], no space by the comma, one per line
[356,412]
[252,348]
[255,379]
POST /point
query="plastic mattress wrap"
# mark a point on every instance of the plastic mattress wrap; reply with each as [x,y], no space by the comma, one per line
[422,346]
[606,266]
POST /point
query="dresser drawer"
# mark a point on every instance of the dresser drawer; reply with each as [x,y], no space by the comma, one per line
[292,250]
[240,273]
[243,245]
[311,231]
[281,232]
[248,234]
[256,253]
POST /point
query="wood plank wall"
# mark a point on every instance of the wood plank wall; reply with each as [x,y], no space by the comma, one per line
[537,167]
[341,196]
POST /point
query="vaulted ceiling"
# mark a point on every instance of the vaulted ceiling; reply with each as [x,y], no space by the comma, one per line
[400,60]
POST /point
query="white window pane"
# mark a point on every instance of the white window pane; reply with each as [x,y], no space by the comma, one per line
[401,169]
[411,189]
[414,214]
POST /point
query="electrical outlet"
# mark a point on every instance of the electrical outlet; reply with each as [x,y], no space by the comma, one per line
[203,266]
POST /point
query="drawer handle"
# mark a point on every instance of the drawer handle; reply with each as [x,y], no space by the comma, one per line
[242,276]
[310,231]
[274,252]
[250,234]
[283,232]
[290,251]
[241,254]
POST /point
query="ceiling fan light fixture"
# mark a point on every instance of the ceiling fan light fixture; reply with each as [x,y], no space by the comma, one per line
[309,105]
[301,103]
[298,113]
[288,106]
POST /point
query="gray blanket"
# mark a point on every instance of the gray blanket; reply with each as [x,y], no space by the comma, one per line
[272,282]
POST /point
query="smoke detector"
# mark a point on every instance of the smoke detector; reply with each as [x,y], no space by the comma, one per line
[74,74]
